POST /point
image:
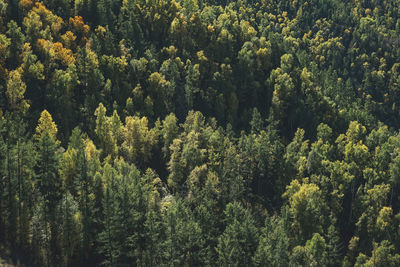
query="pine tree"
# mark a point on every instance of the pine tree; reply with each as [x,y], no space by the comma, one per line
[84,185]
[49,184]
[152,255]
[15,92]
[26,161]
[3,164]
[273,248]
[238,243]
[45,126]
[70,231]
[183,243]
[109,246]
[17,42]
[10,183]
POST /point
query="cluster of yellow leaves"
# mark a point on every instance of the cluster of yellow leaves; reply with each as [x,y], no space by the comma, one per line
[135,137]
[90,150]
[79,25]
[104,132]
[248,32]
[139,139]
[321,42]
[158,11]
[68,39]
[100,32]
[26,5]
[118,63]
[201,57]
[384,218]
[179,26]
[158,15]
[63,54]
[56,51]
[264,54]
[157,82]
[306,203]
[53,21]
[68,167]
[46,125]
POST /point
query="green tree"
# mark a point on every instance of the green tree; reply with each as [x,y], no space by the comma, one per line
[307,208]
[169,132]
[238,243]
[49,186]
[84,190]
[109,246]
[183,243]
[382,255]
[15,92]
[104,133]
[316,247]
[91,79]
[273,248]
[17,39]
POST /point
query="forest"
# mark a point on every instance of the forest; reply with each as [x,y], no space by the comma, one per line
[200,133]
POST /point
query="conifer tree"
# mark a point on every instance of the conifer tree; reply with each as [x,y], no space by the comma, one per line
[238,243]
[49,184]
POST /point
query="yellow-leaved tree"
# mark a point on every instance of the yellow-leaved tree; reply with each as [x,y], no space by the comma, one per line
[15,92]
[46,125]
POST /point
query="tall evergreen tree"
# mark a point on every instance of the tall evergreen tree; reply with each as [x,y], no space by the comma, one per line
[238,243]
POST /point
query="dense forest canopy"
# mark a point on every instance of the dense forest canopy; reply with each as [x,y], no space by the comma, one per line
[200,133]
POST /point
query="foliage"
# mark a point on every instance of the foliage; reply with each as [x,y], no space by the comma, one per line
[200,133]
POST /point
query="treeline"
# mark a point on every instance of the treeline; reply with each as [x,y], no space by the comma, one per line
[186,133]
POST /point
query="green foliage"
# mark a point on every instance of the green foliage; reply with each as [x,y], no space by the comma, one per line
[273,247]
[306,206]
[183,244]
[237,244]
[15,92]
[48,181]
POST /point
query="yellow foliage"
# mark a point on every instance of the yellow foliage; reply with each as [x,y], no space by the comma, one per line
[172,51]
[26,4]
[248,31]
[54,21]
[77,218]
[157,81]
[68,39]
[41,10]
[201,56]
[46,125]
[378,194]
[63,54]
[138,138]
[91,150]
[79,25]
[68,167]
[306,205]
[56,51]
[44,46]
[383,220]
[15,91]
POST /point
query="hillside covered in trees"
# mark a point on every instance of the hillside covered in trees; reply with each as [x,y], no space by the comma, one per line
[200,133]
